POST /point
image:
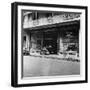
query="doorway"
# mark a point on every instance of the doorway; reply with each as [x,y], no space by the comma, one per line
[50,41]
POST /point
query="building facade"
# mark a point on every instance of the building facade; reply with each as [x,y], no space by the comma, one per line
[51,33]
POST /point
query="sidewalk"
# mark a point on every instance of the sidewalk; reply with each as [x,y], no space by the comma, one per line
[58,57]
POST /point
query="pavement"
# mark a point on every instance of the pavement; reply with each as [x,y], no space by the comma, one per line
[59,57]
[34,66]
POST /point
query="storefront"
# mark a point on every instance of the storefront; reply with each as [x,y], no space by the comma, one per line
[61,38]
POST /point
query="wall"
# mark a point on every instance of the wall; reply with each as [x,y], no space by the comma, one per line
[5,46]
[43,20]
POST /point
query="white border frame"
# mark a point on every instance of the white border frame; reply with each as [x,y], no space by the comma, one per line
[82,48]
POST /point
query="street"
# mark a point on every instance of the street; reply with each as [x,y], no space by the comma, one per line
[40,66]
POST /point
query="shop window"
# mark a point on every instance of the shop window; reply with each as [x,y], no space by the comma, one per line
[48,15]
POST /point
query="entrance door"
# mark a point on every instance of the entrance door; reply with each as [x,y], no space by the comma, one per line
[50,41]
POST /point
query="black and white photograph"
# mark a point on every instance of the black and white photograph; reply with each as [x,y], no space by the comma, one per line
[50,44]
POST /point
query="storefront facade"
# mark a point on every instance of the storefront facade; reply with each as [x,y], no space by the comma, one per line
[58,35]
